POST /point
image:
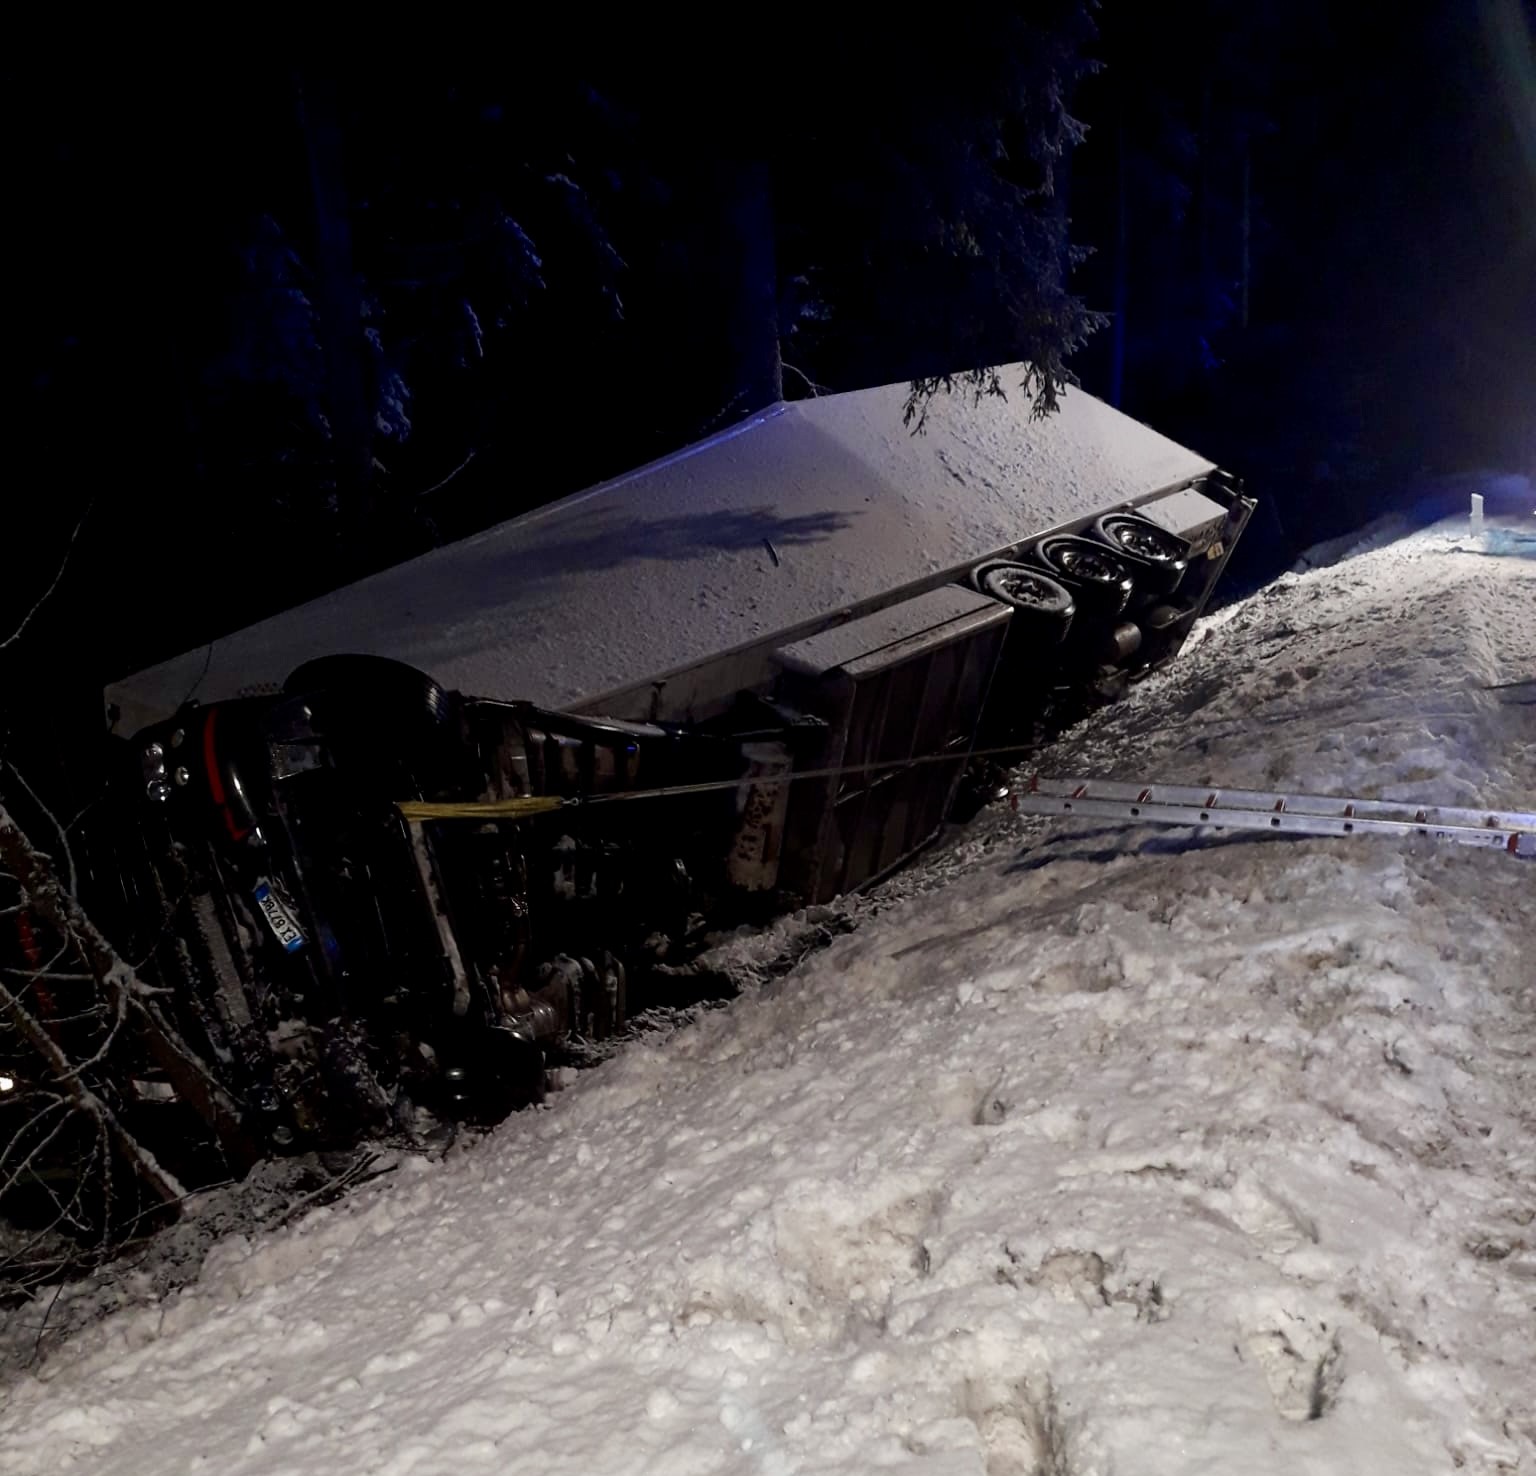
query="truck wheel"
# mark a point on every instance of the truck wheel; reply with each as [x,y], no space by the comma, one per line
[379,713]
[1159,558]
[491,1072]
[1036,599]
[376,681]
[1100,583]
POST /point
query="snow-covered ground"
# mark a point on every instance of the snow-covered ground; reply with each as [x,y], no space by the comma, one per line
[1089,1151]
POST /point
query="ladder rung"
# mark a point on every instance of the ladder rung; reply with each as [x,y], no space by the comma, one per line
[1407,811]
[1239,809]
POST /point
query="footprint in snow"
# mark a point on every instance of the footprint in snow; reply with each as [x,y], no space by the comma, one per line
[1303,1365]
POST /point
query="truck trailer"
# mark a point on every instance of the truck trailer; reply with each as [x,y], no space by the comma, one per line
[389,850]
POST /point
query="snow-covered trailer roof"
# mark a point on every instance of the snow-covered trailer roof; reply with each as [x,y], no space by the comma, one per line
[770,529]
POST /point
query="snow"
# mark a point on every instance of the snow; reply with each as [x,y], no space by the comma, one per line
[1087,1151]
[649,574]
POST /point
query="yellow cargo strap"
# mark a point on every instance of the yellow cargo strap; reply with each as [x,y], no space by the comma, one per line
[519,808]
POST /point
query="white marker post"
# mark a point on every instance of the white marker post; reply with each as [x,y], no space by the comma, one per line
[1477,514]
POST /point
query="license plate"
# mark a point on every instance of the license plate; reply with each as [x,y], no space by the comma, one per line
[279,919]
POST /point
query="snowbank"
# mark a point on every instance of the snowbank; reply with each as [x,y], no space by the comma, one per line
[787,519]
[1094,1152]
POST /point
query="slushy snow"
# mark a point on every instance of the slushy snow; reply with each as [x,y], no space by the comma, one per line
[1089,1152]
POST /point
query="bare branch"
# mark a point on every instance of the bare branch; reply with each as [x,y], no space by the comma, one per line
[15,1142]
[119,1019]
[42,1327]
[438,486]
[53,584]
[66,1214]
[804,378]
[192,690]
[70,877]
[31,978]
[85,810]
[139,1158]
[357,1172]
[124,992]
[32,975]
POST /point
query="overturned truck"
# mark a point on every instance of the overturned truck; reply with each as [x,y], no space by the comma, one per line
[408,839]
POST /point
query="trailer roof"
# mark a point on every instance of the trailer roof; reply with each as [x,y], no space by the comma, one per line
[793,516]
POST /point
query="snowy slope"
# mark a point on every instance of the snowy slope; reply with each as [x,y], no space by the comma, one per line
[667,566]
[1088,1152]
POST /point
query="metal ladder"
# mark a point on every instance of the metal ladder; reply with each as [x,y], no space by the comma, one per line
[1297,814]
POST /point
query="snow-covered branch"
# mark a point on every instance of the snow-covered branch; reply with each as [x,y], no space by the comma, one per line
[72,1005]
[159,1180]
[122,991]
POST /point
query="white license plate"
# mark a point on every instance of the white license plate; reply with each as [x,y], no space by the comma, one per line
[279,919]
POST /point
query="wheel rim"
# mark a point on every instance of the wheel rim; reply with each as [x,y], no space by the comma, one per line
[1024,588]
[1087,564]
[1145,543]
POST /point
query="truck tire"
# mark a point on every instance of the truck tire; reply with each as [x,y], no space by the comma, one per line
[379,713]
[377,680]
[1159,559]
[1039,603]
[1101,584]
